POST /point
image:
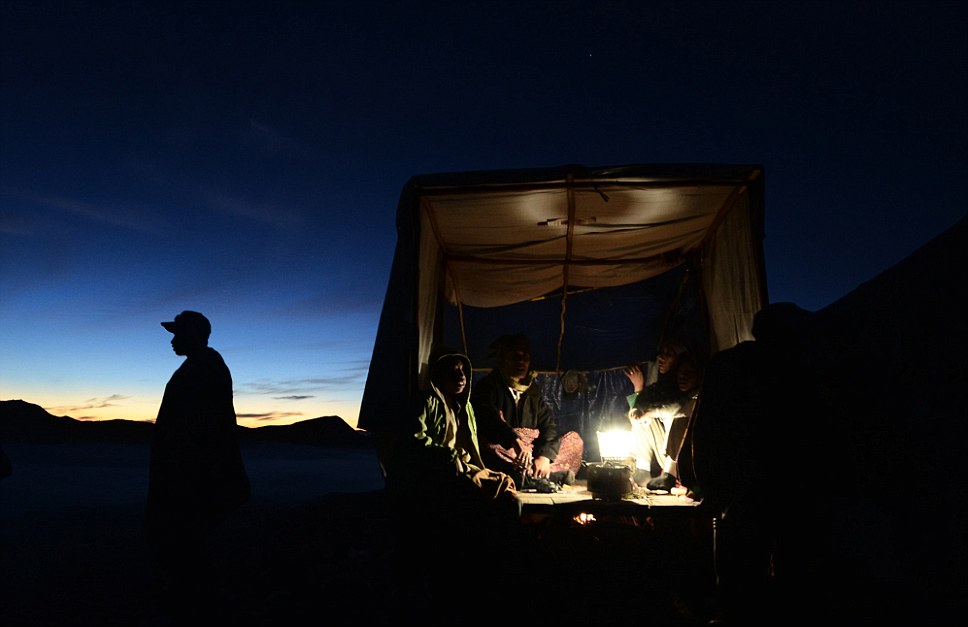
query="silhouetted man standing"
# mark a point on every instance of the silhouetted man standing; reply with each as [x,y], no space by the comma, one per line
[196,474]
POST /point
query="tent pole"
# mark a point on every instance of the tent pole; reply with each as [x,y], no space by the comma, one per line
[460,310]
[564,275]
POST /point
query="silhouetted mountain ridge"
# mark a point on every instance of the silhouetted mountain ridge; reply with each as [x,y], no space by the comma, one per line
[20,420]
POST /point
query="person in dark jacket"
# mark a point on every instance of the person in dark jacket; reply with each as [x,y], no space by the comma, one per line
[757,423]
[665,386]
[196,475]
[512,415]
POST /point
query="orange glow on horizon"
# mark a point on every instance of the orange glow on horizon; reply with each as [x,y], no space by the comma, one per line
[143,409]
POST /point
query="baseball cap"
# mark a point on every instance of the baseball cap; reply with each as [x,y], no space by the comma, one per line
[190,322]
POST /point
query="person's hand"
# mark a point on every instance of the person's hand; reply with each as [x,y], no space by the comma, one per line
[639,418]
[636,376]
[522,457]
[542,467]
[665,481]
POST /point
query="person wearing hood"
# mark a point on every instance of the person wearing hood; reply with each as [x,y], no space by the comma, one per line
[448,504]
[440,451]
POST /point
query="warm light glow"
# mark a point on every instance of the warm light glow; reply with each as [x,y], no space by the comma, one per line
[615,444]
[584,518]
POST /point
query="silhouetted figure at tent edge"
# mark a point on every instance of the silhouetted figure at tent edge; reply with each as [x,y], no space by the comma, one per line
[740,449]
[196,473]
[777,461]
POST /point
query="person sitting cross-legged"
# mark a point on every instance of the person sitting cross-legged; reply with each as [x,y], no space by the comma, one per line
[513,416]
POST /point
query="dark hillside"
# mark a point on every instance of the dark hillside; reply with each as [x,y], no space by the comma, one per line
[896,348]
[23,421]
[20,420]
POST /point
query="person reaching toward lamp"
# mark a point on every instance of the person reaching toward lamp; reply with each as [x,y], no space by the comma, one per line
[653,411]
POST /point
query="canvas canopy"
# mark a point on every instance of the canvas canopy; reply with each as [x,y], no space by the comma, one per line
[595,264]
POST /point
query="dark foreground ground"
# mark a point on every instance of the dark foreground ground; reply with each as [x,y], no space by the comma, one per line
[73,552]
[316,542]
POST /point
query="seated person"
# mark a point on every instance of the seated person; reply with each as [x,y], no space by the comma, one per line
[650,440]
[514,417]
[665,386]
[653,409]
[442,496]
[688,379]
[439,451]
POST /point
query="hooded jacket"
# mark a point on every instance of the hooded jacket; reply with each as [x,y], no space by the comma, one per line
[429,453]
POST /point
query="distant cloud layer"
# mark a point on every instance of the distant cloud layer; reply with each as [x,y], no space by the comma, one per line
[297,389]
[270,416]
[93,403]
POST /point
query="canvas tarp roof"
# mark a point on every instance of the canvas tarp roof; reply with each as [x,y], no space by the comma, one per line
[476,244]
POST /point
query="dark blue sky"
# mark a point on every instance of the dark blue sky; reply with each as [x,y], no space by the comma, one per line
[245,159]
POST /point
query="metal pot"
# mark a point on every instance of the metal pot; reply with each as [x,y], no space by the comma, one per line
[609,480]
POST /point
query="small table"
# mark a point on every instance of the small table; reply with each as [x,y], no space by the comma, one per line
[625,551]
[577,498]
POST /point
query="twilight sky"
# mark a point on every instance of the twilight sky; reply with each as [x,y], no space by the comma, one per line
[244,159]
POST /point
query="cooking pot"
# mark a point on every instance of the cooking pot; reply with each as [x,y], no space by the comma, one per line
[609,480]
